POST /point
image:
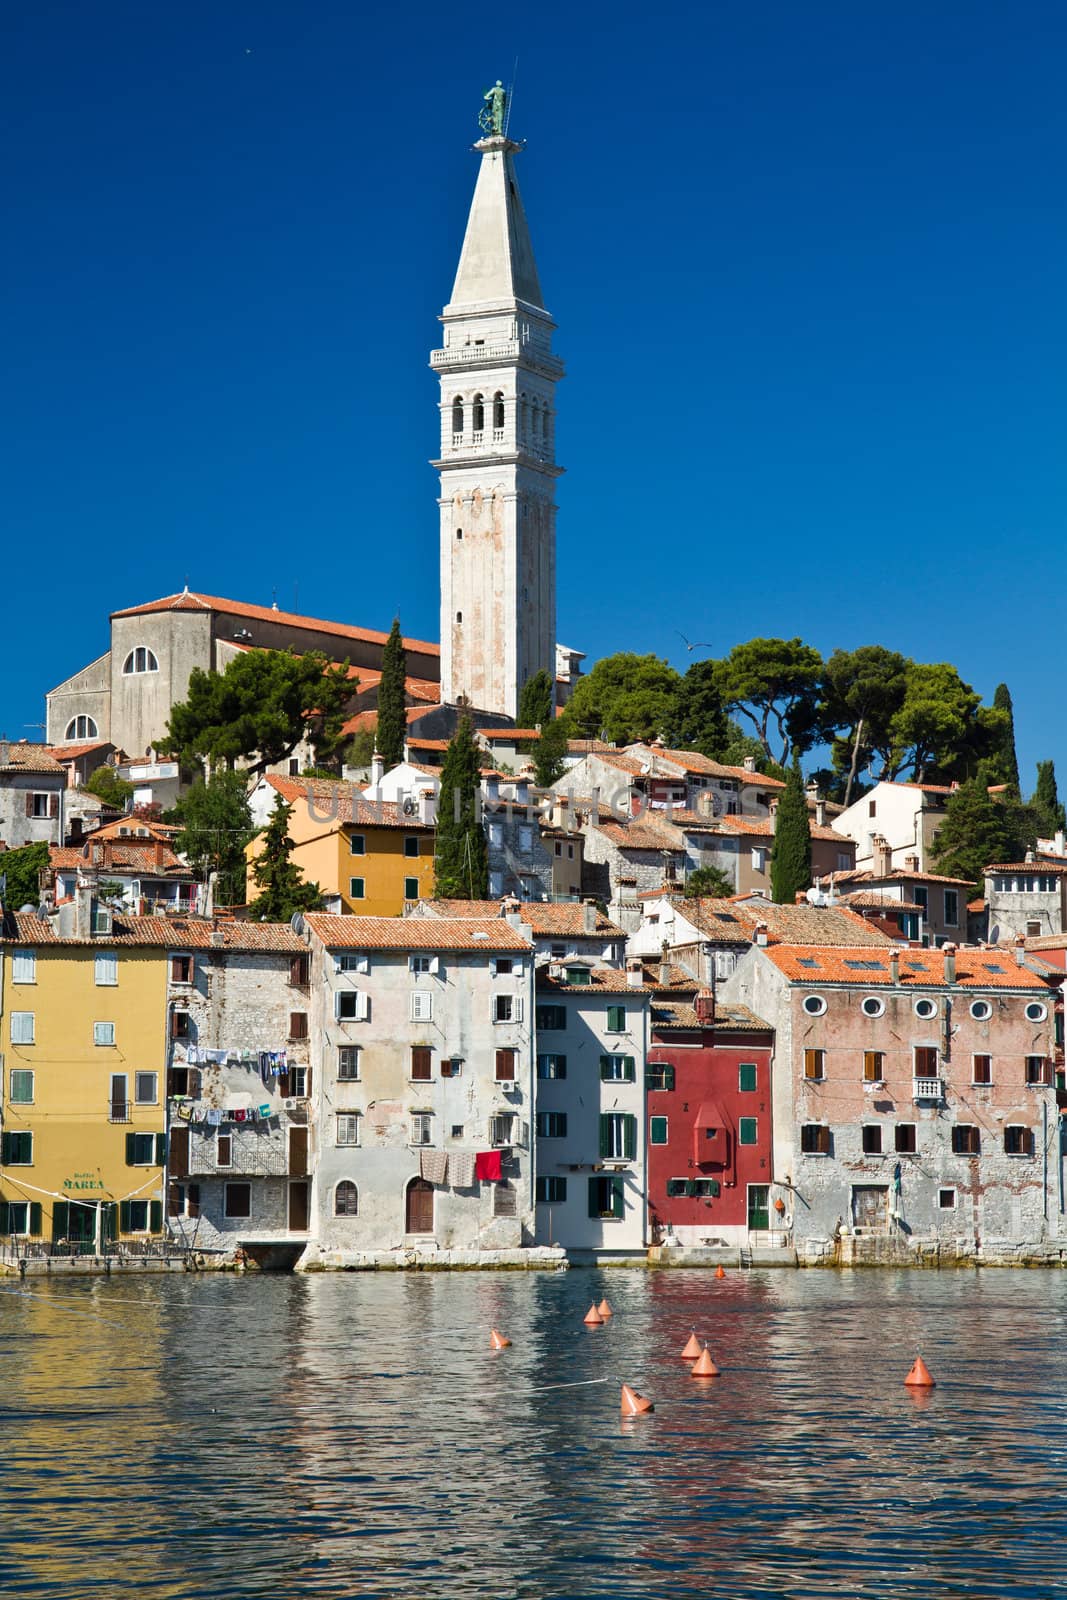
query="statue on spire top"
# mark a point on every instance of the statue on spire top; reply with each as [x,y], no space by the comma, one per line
[491,116]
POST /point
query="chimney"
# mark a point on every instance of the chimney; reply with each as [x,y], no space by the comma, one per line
[750,763]
[158,850]
[911,863]
[761,934]
[773,808]
[1020,950]
[704,1006]
[949,953]
[665,965]
[1029,858]
[509,905]
[883,856]
[427,805]
[83,908]
[894,967]
[589,917]
[635,976]
[1059,843]
[820,813]
[377,769]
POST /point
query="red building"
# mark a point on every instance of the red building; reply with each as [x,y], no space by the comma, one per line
[709,1122]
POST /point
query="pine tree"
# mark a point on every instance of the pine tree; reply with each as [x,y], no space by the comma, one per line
[791,851]
[279,879]
[1046,800]
[548,753]
[1006,759]
[461,863]
[392,722]
[980,830]
[537,703]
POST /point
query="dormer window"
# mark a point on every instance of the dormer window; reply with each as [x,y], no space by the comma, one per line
[140,660]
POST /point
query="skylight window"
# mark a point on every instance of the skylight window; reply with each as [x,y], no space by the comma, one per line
[916,966]
[864,966]
[991,966]
[807,961]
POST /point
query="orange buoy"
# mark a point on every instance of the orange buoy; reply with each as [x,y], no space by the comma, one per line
[592,1318]
[719,1272]
[919,1376]
[704,1366]
[692,1348]
[634,1404]
[498,1341]
[605,1310]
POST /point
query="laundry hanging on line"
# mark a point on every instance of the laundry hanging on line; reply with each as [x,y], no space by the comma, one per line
[489,1166]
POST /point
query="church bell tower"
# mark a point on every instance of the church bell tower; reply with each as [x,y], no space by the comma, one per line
[497,464]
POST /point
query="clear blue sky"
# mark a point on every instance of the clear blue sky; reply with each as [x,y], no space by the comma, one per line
[808,265]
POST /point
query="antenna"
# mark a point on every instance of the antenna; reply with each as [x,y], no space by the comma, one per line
[511,96]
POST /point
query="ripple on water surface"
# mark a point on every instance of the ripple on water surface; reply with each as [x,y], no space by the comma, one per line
[354,1435]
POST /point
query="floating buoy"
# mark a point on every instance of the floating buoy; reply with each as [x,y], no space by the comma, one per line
[719,1271]
[919,1376]
[692,1348]
[592,1318]
[498,1341]
[704,1366]
[605,1310]
[634,1404]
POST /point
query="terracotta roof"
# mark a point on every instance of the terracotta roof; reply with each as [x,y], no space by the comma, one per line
[760,827]
[74,752]
[734,922]
[543,916]
[693,761]
[346,803]
[897,875]
[427,744]
[172,933]
[1033,868]
[22,757]
[874,900]
[415,933]
[641,834]
[616,981]
[156,830]
[189,601]
[122,856]
[1046,941]
[669,1016]
[505,735]
[919,969]
[461,909]
[363,720]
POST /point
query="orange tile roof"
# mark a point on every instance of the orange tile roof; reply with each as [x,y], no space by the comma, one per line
[693,761]
[488,934]
[427,744]
[919,968]
[19,756]
[171,933]
[189,601]
[74,752]
[505,735]
[369,719]
[121,856]
[897,875]
[641,835]
[346,803]
[1033,868]
[760,827]
[542,916]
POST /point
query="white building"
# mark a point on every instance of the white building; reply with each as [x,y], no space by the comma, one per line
[422,1034]
[907,816]
[498,471]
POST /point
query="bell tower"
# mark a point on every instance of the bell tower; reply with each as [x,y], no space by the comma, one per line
[497,463]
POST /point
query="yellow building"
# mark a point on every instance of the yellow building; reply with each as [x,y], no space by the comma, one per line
[83,1030]
[371,854]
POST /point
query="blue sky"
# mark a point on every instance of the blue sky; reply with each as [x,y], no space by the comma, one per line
[807,265]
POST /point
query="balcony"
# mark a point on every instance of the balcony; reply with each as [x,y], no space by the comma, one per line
[486,355]
[118,1111]
[927,1089]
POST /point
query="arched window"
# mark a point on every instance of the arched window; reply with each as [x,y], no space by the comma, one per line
[478,413]
[457,415]
[498,412]
[544,425]
[82,728]
[524,417]
[346,1199]
[140,660]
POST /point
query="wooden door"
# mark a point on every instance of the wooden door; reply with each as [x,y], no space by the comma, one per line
[870,1206]
[298,1207]
[178,1153]
[419,1207]
[298,1153]
[120,1111]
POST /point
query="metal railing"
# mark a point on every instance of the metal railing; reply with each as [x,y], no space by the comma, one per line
[118,1110]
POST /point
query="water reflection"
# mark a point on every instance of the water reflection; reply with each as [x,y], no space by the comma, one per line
[355,1435]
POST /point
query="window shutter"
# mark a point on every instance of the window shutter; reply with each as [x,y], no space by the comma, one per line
[524,1135]
[35,1217]
[605,1136]
[362,1006]
[561,1066]
[307,1082]
[605,1069]
[124,1216]
[618,1203]
[629,1129]
[435,964]
[594,1196]
[668,1077]
[155,1220]
[53,805]
[111,1221]
[629,1070]
[5,1151]
[60,1219]
[283,1084]
[29,805]
[4,1219]
[161,1149]
[131,1141]
[516,1008]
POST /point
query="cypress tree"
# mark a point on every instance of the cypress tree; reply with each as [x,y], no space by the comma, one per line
[279,879]
[791,851]
[461,861]
[537,703]
[1046,800]
[549,751]
[1006,758]
[979,830]
[392,722]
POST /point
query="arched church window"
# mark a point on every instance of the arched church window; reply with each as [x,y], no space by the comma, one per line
[478,413]
[140,660]
[498,412]
[457,415]
[81,728]
[524,417]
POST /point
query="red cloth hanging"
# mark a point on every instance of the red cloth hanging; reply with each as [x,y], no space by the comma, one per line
[488,1166]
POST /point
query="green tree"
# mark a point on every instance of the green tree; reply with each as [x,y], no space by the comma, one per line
[625,697]
[392,699]
[936,729]
[549,751]
[107,786]
[980,830]
[860,693]
[216,825]
[262,705]
[708,883]
[1046,801]
[697,719]
[278,878]
[791,850]
[359,749]
[537,703]
[22,870]
[1003,751]
[773,684]
[461,860]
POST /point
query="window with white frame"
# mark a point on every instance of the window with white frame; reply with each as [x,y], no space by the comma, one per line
[23,1025]
[82,728]
[20,1086]
[106,968]
[350,962]
[421,1006]
[24,966]
[145,1088]
[140,660]
[104,1033]
[422,1127]
[348,1063]
[507,1008]
[351,1005]
[347,1128]
[423,964]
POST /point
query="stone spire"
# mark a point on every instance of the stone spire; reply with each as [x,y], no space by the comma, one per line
[496,264]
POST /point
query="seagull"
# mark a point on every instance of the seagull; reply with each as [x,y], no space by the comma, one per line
[699,645]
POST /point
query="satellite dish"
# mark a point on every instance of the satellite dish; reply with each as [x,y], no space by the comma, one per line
[994,933]
[296,922]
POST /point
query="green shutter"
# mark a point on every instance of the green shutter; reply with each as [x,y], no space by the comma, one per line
[690,1187]
[629,1069]
[605,1137]
[746,1130]
[561,1066]
[131,1154]
[111,1221]
[35,1218]
[4,1218]
[155,1219]
[594,1197]
[161,1149]
[124,1213]
[657,1130]
[60,1219]
[746,1077]
[605,1073]
[629,1135]
[715,1187]
[616,1019]
[618,1204]
[5,1151]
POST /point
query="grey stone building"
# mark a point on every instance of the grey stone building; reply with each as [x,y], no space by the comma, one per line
[1026,899]
[32,793]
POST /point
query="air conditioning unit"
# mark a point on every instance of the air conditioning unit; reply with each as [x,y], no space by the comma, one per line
[292,1103]
[409,807]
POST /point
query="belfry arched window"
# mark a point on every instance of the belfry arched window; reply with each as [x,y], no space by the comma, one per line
[478,413]
[498,412]
[82,728]
[140,660]
[524,418]
[457,415]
